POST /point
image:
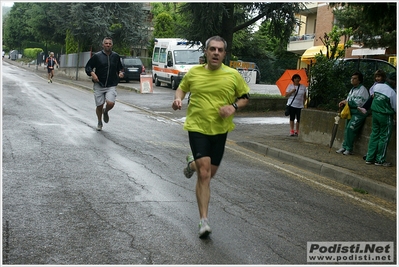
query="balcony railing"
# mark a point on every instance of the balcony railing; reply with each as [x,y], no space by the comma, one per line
[302,37]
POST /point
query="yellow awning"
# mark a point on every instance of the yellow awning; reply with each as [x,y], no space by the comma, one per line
[309,55]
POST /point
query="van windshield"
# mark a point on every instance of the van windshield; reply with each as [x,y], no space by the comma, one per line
[189,57]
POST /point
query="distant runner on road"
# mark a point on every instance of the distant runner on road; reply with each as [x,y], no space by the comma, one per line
[51,62]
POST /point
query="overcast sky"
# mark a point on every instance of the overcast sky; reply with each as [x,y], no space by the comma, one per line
[7,3]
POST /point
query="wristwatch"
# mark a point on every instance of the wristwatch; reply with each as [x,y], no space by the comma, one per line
[235,106]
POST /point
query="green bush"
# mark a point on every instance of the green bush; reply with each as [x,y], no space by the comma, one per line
[329,83]
[32,53]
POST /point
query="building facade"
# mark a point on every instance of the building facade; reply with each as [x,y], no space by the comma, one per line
[317,20]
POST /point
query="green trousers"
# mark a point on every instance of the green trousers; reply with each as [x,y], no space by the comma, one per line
[381,131]
[352,128]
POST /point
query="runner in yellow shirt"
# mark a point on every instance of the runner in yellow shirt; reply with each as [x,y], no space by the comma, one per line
[217,91]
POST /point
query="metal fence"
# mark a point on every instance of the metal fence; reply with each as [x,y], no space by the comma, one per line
[71,60]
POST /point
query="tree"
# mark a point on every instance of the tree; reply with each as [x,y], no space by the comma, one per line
[16,28]
[332,40]
[328,83]
[87,23]
[127,24]
[225,19]
[164,26]
[42,24]
[71,45]
[165,21]
[374,24]
[164,7]
[264,49]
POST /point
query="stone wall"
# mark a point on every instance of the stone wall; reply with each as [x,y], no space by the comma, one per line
[71,73]
[316,127]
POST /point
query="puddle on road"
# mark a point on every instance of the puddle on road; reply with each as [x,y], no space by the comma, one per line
[261,120]
[257,120]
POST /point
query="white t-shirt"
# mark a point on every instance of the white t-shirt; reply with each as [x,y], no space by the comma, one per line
[299,98]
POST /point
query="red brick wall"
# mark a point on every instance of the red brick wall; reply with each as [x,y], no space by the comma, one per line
[325,22]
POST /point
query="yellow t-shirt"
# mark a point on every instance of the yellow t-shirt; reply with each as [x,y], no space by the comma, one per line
[210,90]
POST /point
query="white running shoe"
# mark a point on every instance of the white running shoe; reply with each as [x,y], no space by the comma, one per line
[188,172]
[341,150]
[204,228]
[347,152]
[99,126]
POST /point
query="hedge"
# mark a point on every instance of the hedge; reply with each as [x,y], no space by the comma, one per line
[32,52]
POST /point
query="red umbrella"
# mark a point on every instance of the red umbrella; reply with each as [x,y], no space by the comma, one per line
[286,79]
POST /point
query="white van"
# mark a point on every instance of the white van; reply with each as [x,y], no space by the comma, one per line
[172,58]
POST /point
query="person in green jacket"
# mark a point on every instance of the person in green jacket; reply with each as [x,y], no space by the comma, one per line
[383,110]
[357,97]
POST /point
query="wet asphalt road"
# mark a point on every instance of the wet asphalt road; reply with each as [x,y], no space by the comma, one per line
[72,195]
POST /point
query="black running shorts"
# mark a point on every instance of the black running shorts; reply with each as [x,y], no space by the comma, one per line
[208,146]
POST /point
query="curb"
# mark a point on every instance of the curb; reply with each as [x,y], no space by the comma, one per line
[329,171]
[87,87]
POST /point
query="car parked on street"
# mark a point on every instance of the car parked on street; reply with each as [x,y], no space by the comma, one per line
[368,66]
[134,67]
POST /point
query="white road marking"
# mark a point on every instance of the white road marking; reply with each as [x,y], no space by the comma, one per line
[315,182]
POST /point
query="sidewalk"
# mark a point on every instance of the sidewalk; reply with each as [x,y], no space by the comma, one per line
[268,139]
[349,170]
